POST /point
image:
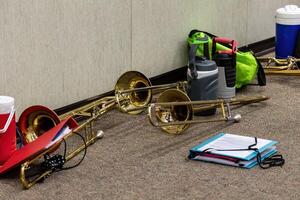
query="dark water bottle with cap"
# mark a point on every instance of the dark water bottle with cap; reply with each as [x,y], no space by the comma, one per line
[226,62]
[202,77]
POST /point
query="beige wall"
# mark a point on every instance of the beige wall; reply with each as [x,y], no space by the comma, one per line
[57,52]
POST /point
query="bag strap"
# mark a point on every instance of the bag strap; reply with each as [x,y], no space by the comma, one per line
[203,41]
[192,32]
[193,51]
[192,60]
[261,76]
[206,50]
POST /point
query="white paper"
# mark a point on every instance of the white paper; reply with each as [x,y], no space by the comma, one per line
[64,131]
[231,141]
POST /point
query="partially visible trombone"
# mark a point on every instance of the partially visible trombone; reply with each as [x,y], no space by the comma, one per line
[42,120]
[277,66]
[173,111]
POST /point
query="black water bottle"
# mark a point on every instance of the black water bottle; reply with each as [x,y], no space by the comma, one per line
[226,62]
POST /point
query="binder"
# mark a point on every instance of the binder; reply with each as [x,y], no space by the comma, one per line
[230,149]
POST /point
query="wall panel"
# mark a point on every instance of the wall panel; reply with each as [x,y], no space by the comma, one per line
[261,19]
[160,29]
[62,51]
[58,52]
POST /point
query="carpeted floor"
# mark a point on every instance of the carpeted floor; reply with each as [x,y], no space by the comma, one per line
[137,161]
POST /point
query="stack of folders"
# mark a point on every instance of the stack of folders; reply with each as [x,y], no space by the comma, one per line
[230,149]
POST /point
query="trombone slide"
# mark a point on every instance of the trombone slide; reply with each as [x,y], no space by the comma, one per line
[288,72]
[155,107]
[166,116]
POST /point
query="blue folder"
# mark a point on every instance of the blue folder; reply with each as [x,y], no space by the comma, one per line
[224,141]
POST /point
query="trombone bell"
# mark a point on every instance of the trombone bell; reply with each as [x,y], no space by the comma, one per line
[130,101]
[36,120]
[174,113]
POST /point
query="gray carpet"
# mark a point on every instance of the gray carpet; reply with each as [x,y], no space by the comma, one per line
[137,161]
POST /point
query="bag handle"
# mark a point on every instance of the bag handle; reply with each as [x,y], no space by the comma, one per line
[10,117]
[222,40]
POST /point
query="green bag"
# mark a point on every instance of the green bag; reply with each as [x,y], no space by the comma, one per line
[247,66]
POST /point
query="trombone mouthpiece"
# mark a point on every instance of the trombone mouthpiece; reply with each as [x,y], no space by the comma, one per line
[237,118]
[100,134]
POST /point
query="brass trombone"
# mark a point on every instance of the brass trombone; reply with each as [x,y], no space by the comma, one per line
[133,92]
[173,111]
[276,66]
[94,110]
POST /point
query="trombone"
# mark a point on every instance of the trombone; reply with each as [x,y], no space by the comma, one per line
[94,110]
[276,66]
[133,92]
[173,111]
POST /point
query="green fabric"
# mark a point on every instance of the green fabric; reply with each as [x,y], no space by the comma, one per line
[246,66]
